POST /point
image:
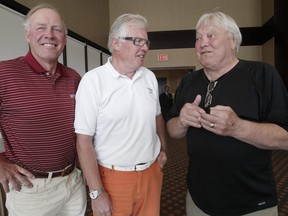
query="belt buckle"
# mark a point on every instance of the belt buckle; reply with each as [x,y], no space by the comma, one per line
[141,167]
[64,172]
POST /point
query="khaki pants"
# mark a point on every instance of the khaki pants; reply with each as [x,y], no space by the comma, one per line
[193,210]
[50,197]
[2,202]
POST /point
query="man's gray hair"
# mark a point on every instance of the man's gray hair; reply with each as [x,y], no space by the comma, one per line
[224,21]
[122,24]
[26,22]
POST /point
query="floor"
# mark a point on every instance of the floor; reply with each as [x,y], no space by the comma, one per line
[174,188]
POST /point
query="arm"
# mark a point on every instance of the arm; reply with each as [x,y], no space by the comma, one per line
[160,126]
[13,174]
[176,129]
[189,116]
[89,166]
[260,135]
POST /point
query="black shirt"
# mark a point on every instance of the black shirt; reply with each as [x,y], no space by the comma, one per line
[227,176]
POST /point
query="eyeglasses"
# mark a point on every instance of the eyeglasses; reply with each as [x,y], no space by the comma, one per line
[210,88]
[137,41]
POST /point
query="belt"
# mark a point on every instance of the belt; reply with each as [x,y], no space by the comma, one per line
[137,167]
[60,173]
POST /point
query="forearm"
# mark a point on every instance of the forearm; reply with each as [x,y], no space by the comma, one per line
[175,129]
[262,135]
[161,131]
[88,162]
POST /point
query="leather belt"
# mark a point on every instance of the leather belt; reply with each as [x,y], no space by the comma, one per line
[137,167]
[60,173]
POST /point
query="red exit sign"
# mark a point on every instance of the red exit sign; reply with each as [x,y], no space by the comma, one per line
[162,57]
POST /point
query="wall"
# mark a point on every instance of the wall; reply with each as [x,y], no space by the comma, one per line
[79,55]
[188,58]
[88,18]
[268,48]
[267,7]
[185,15]
[98,15]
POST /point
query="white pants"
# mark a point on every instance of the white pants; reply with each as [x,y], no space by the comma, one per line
[61,196]
[193,210]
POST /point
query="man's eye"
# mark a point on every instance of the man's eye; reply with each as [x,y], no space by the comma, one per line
[211,36]
[41,28]
[58,30]
[138,40]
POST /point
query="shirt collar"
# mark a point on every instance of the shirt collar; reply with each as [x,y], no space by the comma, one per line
[116,74]
[37,68]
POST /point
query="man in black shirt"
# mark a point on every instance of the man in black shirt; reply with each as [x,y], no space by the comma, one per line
[233,113]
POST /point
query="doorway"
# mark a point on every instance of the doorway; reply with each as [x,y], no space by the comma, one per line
[171,77]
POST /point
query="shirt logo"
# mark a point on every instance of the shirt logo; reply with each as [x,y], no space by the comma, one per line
[150,90]
[261,203]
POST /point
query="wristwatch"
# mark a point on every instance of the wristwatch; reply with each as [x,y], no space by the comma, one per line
[94,194]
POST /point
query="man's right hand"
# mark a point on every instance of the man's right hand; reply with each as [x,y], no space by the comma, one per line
[14,175]
[102,206]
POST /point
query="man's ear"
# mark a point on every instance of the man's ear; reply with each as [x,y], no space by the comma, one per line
[27,36]
[115,43]
[233,44]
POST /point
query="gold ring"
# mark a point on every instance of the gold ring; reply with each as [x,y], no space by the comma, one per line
[211,125]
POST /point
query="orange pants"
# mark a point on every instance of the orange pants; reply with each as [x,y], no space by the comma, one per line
[134,193]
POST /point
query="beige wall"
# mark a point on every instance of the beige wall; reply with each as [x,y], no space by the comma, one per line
[88,18]
[166,15]
[180,15]
[267,7]
[188,58]
[92,18]
[268,48]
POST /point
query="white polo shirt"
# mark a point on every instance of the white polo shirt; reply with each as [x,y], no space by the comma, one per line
[120,114]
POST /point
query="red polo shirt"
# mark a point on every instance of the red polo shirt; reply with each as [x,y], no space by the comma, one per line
[37,114]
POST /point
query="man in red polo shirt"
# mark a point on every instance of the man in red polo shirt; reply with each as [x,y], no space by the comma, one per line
[36,121]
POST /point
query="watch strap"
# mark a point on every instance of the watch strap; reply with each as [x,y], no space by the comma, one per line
[94,194]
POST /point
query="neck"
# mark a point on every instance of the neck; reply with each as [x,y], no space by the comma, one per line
[122,68]
[214,74]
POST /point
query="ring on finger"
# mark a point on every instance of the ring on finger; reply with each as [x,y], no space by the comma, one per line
[212,124]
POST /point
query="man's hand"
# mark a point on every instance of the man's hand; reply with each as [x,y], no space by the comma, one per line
[190,113]
[102,205]
[221,120]
[162,158]
[15,175]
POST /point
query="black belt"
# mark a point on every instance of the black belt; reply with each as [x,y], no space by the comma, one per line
[61,173]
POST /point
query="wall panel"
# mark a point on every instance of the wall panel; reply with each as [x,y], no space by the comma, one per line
[76,55]
[12,40]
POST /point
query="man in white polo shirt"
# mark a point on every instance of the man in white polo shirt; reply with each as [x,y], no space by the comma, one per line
[120,130]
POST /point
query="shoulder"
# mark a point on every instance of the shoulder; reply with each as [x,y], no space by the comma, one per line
[147,74]
[12,62]
[98,71]
[13,67]
[256,66]
[193,77]
[69,72]
[95,76]
[260,73]
[146,71]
